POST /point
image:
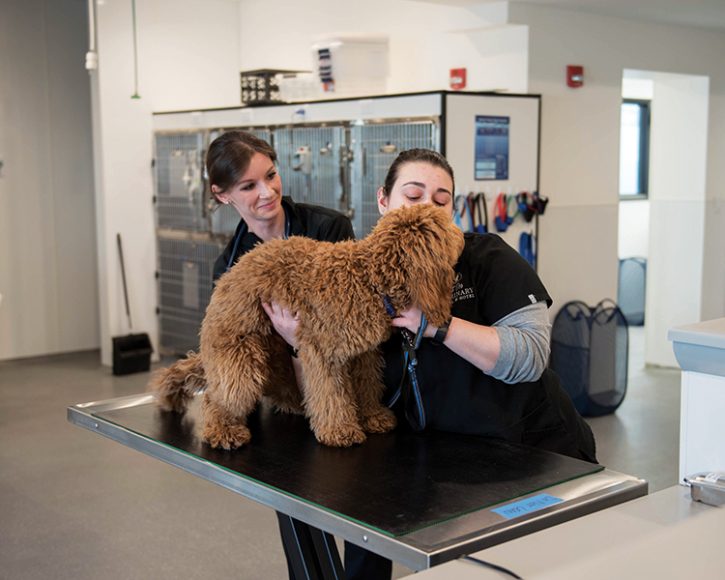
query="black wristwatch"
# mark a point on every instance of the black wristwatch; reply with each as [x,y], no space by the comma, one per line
[442,331]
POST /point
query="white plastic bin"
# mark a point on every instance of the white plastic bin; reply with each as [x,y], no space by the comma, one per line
[348,66]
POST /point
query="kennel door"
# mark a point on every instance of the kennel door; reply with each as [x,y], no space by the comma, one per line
[374,147]
[310,165]
[178,164]
[185,285]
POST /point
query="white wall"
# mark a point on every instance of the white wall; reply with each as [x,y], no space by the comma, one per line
[677,209]
[47,240]
[580,145]
[633,228]
[426,40]
[188,55]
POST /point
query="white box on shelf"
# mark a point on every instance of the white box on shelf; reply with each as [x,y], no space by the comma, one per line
[352,66]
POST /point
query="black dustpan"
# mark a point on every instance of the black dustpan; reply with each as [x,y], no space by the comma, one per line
[132,352]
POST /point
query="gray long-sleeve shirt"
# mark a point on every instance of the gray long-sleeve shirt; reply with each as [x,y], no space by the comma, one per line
[525,337]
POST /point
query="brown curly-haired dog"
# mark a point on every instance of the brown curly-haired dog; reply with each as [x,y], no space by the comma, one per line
[337,290]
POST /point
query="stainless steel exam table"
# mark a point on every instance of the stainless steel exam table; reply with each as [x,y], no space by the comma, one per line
[417,498]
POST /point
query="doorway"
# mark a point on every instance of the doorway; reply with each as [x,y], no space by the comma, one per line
[663,226]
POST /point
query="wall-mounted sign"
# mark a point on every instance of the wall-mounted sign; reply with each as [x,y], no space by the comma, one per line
[492,148]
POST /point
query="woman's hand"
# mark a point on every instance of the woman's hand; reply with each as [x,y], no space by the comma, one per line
[410,319]
[283,321]
[478,344]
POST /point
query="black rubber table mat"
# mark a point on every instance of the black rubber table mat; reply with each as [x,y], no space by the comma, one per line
[398,482]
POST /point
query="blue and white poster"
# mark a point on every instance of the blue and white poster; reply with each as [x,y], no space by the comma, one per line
[492,147]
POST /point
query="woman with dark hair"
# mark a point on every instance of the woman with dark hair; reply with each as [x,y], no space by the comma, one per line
[242,173]
[483,372]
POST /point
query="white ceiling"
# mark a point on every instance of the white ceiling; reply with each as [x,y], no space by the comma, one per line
[703,13]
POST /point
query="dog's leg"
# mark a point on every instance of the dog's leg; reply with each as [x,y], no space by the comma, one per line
[222,428]
[236,376]
[367,384]
[329,402]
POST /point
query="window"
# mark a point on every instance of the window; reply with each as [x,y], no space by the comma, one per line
[634,149]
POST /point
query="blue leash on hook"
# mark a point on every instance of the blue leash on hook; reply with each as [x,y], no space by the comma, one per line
[411,343]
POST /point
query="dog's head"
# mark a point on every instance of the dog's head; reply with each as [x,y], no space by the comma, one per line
[413,253]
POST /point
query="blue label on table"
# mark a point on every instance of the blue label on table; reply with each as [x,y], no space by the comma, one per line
[526,506]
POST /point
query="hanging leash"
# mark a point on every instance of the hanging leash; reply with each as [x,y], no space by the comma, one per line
[527,248]
[526,205]
[539,202]
[482,213]
[502,220]
[471,204]
[460,209]
[410,389]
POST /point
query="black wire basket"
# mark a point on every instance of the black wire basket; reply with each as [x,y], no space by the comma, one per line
[590,353]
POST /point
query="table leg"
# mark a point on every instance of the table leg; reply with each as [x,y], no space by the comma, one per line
[311,553]
[327,554]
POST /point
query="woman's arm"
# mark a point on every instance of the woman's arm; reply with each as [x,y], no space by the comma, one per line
[514,350]
[285,323]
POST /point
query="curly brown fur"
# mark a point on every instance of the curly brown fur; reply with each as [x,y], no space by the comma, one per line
[337,291]
[176,385]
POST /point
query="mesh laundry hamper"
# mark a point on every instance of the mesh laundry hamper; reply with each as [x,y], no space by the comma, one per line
[589,352]
[631,291]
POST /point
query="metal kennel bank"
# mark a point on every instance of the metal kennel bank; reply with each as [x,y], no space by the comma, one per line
[333,153]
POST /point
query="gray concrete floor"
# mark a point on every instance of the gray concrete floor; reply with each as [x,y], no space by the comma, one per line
[75,505]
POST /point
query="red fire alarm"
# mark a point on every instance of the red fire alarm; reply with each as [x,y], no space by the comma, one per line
[458,79]
[574,75]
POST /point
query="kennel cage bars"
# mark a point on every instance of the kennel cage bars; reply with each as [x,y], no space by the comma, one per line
[333,153]
[374,147]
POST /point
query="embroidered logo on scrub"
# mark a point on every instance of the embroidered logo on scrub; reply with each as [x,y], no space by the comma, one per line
[461,292]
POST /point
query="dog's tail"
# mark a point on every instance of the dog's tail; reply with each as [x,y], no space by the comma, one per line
[174,386]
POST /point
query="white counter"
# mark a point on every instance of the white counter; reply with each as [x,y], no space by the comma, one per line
[700,351]
[665,535]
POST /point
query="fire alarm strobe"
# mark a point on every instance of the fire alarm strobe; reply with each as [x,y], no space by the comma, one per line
[458,78]
[574,75]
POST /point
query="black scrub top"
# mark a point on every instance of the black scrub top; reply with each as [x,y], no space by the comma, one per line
[492,281]
[312,221]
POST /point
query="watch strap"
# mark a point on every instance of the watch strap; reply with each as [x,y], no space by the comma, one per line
[441,333]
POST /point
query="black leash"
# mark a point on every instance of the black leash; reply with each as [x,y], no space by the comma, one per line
[410,390]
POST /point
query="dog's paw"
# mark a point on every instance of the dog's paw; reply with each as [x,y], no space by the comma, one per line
[381,420]
[341,436]
[228,437]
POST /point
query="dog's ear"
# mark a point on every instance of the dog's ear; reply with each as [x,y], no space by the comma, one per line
[432,254]
[417,248]
[387,260]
